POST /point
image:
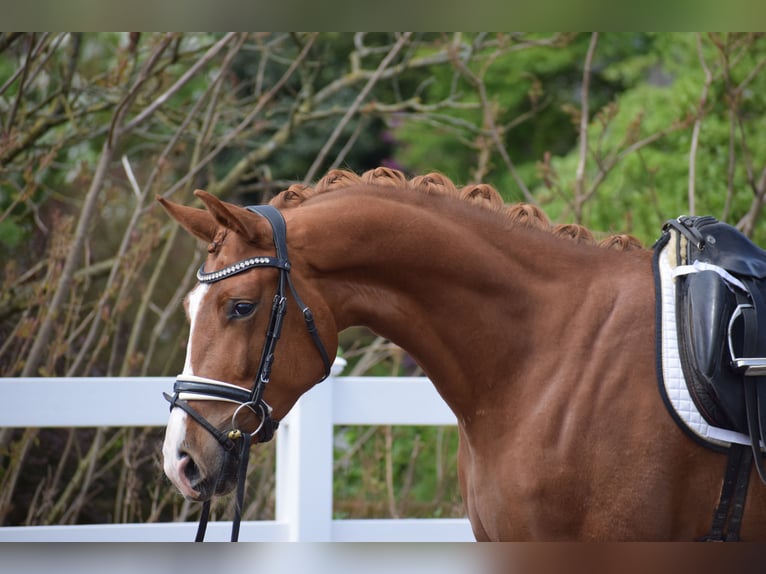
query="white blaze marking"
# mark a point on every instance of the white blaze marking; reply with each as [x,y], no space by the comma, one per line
[195,301]
[175,432]
[174,436]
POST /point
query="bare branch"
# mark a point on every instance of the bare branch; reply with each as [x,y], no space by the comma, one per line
[131,177]
[403,39]
[33,361]
[160,100]
[697,127]
[489,123]
[584,122]
[243,165]
[605,167]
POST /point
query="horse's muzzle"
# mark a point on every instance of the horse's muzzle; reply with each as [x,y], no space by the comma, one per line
[198,484]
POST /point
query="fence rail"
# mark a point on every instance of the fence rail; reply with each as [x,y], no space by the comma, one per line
[304,457]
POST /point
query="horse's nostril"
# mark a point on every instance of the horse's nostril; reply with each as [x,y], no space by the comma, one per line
[189,468]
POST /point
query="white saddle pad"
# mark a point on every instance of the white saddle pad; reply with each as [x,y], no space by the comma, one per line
[673,379]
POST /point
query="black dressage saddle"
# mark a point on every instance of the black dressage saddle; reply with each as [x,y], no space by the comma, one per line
[721,322]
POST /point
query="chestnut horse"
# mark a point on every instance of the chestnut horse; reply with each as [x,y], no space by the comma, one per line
[543,347]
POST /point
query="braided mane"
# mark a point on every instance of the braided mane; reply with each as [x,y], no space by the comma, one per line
[483,195]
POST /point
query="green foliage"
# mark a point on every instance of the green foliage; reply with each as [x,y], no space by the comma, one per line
[11,234]
[422,467]
[641,86]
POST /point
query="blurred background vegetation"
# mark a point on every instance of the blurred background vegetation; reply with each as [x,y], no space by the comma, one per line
[617,131]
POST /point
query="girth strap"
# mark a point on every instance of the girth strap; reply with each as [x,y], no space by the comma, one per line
[731,506]
[755,391]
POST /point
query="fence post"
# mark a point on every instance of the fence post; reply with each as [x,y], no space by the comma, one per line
[304,470]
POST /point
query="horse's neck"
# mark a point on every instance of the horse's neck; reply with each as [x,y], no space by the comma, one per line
[460,290]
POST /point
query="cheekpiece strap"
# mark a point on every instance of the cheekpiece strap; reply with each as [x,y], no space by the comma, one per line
[278,227]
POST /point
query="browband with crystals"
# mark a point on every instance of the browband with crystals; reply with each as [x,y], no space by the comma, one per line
[241,266]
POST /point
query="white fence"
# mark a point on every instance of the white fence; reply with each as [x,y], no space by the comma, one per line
[304,458]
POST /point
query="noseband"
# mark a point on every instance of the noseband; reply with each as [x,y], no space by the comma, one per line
[190,387]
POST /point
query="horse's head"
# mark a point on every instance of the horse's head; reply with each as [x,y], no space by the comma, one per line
[237,312]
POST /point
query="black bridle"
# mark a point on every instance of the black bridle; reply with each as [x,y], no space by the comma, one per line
[189,387]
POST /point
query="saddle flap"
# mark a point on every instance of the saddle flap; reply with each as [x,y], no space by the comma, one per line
[705,305]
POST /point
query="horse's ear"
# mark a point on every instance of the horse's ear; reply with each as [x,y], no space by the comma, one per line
[204,223]
[198,222]
[233,217]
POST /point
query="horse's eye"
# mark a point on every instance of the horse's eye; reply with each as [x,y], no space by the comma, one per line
[241,309]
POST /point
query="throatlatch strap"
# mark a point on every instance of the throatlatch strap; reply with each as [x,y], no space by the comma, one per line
[308,318]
